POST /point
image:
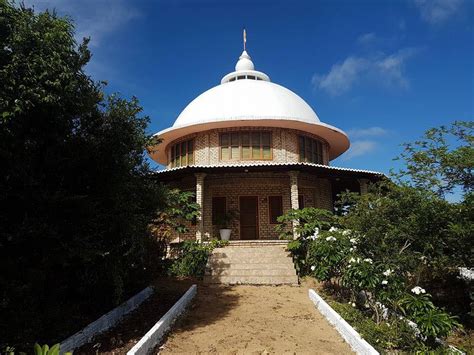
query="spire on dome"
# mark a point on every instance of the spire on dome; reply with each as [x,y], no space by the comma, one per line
[245,62]
[244,69]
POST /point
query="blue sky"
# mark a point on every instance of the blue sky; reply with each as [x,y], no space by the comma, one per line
[383,71]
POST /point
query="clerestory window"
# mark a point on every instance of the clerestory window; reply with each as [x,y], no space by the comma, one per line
[246,145]
[310,150]
[182,153]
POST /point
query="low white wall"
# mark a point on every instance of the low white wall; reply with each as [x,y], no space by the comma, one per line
[359,345]
[105,322]
[157,332]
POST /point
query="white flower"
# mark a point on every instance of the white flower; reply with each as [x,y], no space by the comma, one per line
[353,304]
[313,268]
[384,282]
[351,260]
[353,240]
[333,229]
[315,234]
[358,260]
[368,260]
[346,232]
[417,290]
[330,239]
[351,249]
[388,272]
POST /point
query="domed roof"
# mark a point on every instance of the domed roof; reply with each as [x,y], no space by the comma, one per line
[247,98]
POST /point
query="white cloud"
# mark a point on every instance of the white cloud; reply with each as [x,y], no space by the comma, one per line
[437,11]
[359,148]
[385,69]
[366,38]
[367,132]
[342,76]
[92,18]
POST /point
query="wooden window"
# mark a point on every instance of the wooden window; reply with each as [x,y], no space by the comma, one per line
[219,208]
[182,154]
[245,140]
[300,202]
[234,146]
[275,208]
[310,150]
[253,145]
[225,146]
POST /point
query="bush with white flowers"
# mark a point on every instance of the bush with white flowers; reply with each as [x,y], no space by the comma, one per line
[369,277]
[327,254]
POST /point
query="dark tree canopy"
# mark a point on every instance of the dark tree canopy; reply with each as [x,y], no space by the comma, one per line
[75,194]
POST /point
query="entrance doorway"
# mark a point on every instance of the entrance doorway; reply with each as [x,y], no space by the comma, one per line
[248,217]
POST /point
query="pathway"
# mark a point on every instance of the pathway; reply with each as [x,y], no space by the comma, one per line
[253,320]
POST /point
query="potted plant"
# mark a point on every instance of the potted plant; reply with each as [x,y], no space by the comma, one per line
[224,222]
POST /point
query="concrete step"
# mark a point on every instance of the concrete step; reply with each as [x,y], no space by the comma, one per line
[252,280]
[251,272]
[245,251]
[258,249]
[251,260]
[251,266]
[256,243]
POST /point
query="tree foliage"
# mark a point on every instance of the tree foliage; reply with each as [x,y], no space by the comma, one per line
[442,160]
[76,198]
[385,243]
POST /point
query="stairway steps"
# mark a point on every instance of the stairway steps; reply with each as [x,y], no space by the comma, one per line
[257,264]
[251,266]
[252,280]
[252,272]
[239,251]
[265,260]
[256,243]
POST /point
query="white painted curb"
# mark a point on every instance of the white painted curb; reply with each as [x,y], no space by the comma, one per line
[105,322]
[156,333]
[359,345]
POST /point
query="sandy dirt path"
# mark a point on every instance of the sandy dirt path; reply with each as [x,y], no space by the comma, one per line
[253,320]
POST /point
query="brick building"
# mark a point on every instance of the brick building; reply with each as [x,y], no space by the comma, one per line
[256,147]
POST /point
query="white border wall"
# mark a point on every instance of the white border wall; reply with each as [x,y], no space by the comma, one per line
[158,331]
[359,345]
[105,322]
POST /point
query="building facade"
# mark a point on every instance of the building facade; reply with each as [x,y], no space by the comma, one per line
[255,147]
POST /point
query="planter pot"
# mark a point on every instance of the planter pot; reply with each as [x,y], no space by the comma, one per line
[225,233]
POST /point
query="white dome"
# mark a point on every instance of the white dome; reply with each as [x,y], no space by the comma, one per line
[248,100]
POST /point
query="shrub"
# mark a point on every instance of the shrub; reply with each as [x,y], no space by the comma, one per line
[432,322]
[192,258]
[327,254]
[392,334]
[46,350]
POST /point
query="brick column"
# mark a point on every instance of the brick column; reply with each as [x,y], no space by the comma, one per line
[294,197]
[200,201]
[364,184]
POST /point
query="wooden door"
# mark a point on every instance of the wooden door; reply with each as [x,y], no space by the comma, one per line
[248,217]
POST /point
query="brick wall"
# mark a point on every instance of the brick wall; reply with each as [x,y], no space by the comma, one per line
[284,145]
[316,193]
